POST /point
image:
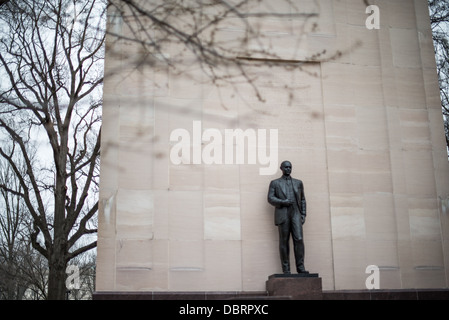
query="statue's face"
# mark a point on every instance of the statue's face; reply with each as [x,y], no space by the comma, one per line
[286,168]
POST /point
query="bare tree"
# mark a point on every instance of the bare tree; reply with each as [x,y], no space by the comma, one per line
[23,270]
[439,19]
[13,235]
[51,66]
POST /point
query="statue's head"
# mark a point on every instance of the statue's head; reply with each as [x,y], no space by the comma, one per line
[286,168]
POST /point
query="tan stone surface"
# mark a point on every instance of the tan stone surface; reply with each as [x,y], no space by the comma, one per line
[364,132]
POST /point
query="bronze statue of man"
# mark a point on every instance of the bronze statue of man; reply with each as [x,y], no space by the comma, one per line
[286,194]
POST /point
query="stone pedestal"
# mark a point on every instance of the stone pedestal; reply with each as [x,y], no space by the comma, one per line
[295,286]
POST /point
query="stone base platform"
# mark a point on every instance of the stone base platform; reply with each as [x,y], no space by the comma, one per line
[282,287]
[302,286]
[384,294]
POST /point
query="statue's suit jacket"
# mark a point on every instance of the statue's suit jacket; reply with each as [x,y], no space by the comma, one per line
[277,194]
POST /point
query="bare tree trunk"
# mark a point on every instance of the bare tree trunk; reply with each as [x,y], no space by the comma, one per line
[56,277]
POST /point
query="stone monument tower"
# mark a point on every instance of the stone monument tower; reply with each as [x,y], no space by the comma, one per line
[345,90]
